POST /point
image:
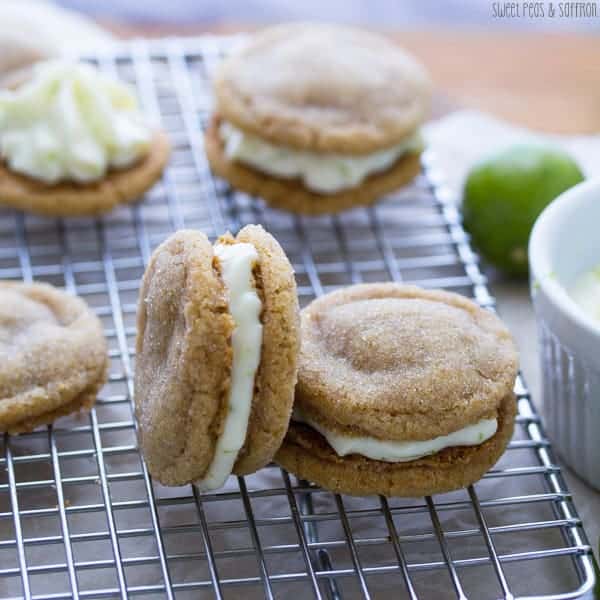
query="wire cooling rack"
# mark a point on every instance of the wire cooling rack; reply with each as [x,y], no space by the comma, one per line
[79,514]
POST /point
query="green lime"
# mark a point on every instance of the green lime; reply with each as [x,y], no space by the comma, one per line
[504,195]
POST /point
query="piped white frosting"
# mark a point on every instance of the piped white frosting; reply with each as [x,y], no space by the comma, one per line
[320,172]
[237,262]
[395,451]
[70,122]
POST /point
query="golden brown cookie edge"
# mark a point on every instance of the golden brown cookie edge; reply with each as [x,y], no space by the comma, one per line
[292,195]
[69,385]
[72,200]
[82,403]
[358,476]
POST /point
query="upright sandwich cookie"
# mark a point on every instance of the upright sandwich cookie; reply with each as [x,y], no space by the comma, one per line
[217,346]
[401,391]
[318,118]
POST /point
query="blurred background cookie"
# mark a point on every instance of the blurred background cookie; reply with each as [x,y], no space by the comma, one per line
[401,392]
[217,345]
[53,355]
[34,30]
[75,142]
[318,118]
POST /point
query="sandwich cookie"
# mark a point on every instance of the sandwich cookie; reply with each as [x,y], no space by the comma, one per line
[216,362]
[73,142]
[53,355]
[318,118]
[401,391]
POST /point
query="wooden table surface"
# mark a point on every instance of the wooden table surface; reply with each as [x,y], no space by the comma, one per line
[546,81]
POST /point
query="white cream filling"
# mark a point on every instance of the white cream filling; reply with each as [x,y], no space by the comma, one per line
[322,173]
[394,451]
[237,262]
[70,122]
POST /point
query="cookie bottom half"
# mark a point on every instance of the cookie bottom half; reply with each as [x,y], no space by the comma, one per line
[81,404]
[306,454]
[292,195]
[69,199]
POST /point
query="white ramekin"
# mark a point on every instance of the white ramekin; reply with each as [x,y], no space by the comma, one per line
[564,243]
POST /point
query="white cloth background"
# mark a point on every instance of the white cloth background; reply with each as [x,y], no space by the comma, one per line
[464,137]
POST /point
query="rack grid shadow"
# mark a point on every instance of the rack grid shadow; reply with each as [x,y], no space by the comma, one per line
[79,514]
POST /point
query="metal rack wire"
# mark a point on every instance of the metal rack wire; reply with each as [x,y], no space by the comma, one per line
[79,514]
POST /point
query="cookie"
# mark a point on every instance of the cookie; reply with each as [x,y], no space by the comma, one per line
[71,199]
[401,391]
[324,88]
[53,355]
[328,113]
[216,361]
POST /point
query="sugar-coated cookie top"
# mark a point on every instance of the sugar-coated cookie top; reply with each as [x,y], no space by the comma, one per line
[399,362]
[52,349]
[323,88]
